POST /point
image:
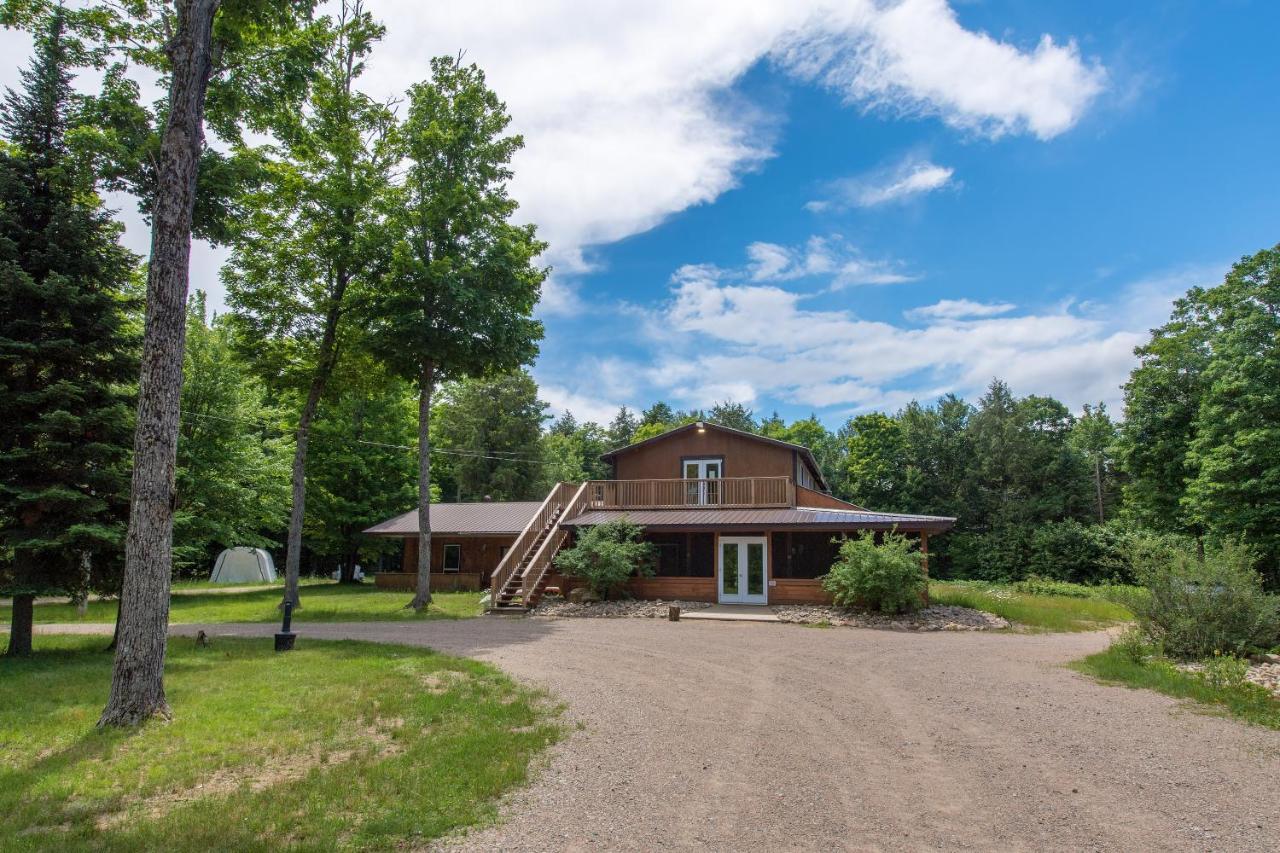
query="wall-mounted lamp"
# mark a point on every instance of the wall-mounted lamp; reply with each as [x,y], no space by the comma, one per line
[702,427]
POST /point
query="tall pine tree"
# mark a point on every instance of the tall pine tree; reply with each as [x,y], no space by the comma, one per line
[66,351]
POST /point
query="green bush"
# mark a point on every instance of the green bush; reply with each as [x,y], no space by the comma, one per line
[1196,607]
[607,555]
[889,577]
[1133,644]
[1225,672]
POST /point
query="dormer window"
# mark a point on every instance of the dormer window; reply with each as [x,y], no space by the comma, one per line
[703,473]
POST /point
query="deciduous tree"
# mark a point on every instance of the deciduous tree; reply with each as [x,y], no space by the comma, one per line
[458,298]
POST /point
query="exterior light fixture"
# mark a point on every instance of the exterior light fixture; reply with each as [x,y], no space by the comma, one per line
[702,427]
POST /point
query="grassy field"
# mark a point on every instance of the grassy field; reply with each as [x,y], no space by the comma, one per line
[322,602]
[336,745]
[1249,701]
[1026,610]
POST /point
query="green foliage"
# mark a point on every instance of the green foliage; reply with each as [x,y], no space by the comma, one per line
[1224,672]
[1197,607]
[360,468]
[622,428]
[875,474]
[1250,702]
[733,415]
[389,743]
[571,452]
[1132,645]
[458,264]
[607,555]
[1199,446]
[488,431]
[233,466]
[68,348]
[889,577]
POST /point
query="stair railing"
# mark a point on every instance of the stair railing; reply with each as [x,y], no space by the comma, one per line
[507,565]
[541,561]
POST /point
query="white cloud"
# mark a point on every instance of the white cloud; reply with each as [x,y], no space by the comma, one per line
[829,256]
[761,341]
[909,178]
[914,58]
[958,309]
[585,407]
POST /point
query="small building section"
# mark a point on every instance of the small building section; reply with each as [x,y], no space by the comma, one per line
[244,565]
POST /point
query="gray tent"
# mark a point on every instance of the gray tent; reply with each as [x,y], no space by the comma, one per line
[243,565]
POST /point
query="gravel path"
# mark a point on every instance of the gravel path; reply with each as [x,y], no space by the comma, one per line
[733,736]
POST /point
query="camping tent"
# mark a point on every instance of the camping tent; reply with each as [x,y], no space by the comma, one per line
[243,565]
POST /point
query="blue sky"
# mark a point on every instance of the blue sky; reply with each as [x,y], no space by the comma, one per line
[834,206]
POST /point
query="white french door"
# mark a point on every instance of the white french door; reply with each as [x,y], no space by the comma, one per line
[703,473]
[743,564]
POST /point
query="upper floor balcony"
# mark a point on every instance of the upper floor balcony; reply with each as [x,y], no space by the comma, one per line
[717,492]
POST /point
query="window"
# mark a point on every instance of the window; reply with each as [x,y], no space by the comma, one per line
[803,554]
[683,555]
[452,558]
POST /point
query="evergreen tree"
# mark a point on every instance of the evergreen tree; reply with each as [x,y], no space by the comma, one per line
[622,428]
[66,351]
[658,413]
[458,298]
[733,415]
[492,427]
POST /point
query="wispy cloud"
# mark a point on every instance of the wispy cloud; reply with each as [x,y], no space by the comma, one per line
[829,257]
[958,309]
[909,178]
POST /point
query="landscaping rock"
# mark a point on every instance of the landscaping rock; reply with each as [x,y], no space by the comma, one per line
[936,618]
[611,609]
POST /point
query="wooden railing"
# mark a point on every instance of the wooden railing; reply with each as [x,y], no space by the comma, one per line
[541,561]
[708,492]
[556,499]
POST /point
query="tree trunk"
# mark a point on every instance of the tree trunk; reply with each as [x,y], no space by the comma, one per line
[23,615]
[423,597]
[137,683]
[115,634]
[325,360]
[1097,481]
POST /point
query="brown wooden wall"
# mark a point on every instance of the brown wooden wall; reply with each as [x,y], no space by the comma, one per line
[812,497]
[743,457]
[442,582]
[480,554]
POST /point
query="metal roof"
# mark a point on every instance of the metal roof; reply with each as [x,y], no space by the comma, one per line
[765,518]
[493,518]
[805,452]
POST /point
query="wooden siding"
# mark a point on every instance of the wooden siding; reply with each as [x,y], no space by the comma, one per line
[442,582]
[812,497]
[797,591]
[480,554]
[743,457]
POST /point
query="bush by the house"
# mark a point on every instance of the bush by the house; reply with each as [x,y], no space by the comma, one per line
[889,577]
[1197,607]
[607,556]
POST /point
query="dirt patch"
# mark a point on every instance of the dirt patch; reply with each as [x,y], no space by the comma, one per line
[372,739]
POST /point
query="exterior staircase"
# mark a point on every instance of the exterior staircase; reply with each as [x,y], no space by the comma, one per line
[520,579]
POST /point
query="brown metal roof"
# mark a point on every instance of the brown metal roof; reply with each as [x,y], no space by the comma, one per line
[764,518]
[493,518]
[805,452]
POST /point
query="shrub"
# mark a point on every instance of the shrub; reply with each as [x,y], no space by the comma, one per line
[1196,607]
[889,577]
[1132,643]
[607,556]
[1224,672]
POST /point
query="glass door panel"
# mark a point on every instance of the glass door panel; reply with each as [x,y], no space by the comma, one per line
[755,568]
[729,570]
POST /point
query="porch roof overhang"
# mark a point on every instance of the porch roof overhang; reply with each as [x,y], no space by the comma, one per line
[763,518]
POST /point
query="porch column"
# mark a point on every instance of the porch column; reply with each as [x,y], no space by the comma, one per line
[924,551]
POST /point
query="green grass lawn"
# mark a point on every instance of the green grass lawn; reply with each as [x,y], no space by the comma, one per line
[1035,612]
[335,745]
[1249,701]
[323,602]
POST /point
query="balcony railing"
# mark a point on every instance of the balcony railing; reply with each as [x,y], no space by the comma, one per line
[684,494]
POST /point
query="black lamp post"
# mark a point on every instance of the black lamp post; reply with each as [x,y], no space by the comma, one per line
[284,639]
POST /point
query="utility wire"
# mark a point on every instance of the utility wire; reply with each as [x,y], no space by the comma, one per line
[471,454]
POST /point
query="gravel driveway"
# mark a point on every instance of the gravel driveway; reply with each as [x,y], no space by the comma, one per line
[733,736]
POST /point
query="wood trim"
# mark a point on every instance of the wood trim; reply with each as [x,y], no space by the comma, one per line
[806,496]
